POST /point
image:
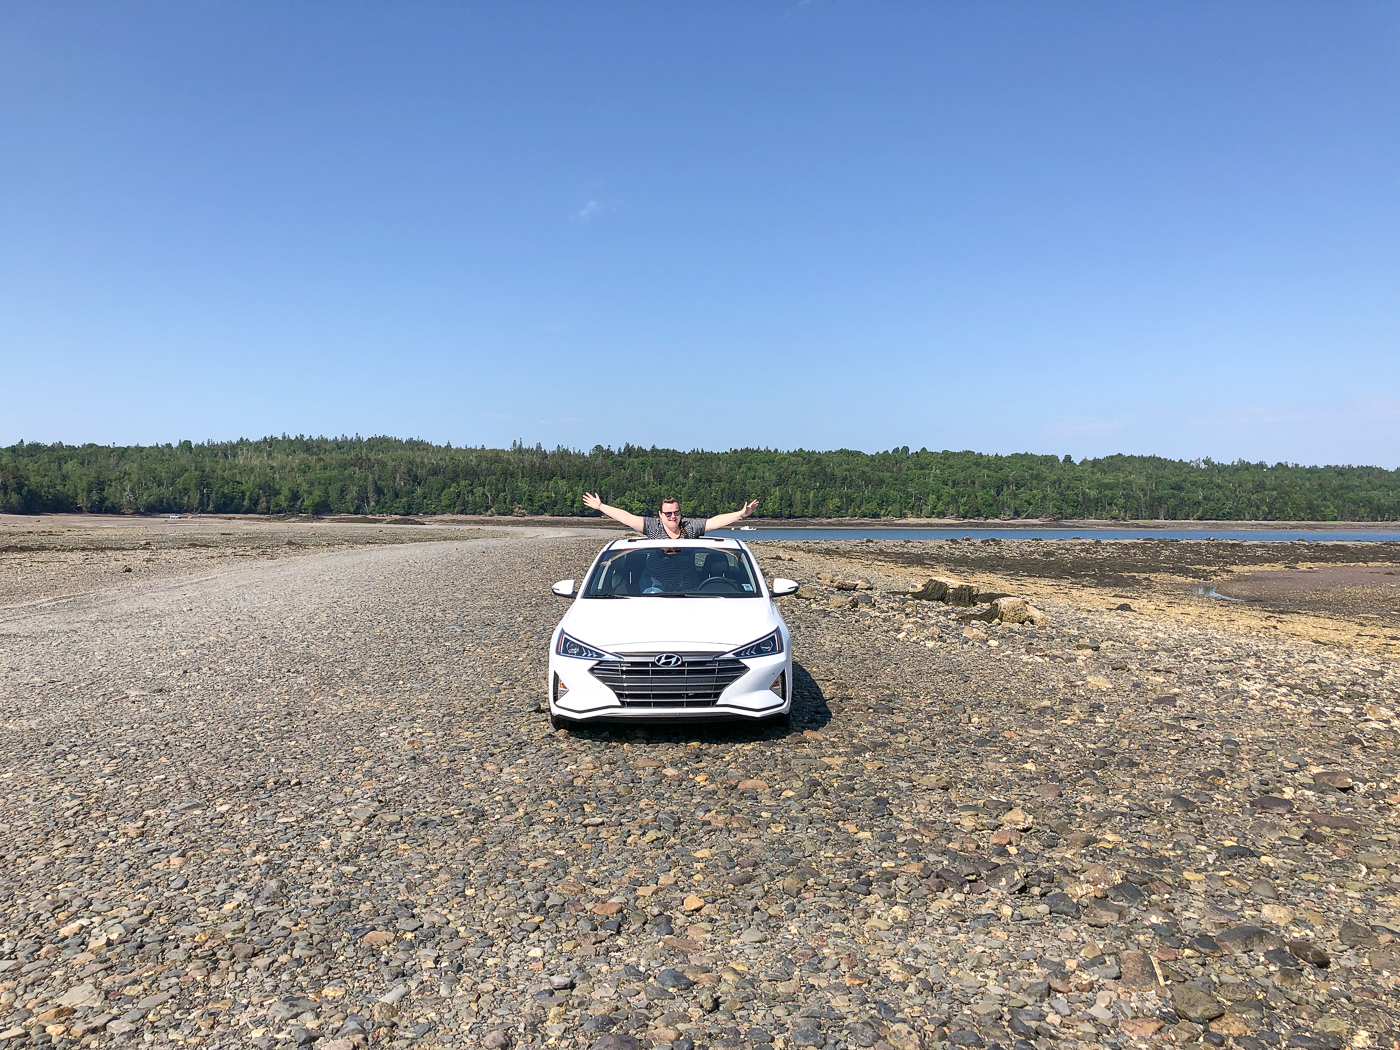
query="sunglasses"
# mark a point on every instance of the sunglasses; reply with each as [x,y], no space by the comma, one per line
[670,514]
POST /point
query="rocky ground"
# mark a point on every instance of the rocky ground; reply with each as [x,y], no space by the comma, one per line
[313,800]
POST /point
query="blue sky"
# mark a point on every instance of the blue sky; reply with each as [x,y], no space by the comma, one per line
[1077,228]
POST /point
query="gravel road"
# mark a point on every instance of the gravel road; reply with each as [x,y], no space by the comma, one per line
[314,800]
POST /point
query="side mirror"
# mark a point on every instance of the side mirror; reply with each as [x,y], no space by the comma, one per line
[565,589]
[781,587]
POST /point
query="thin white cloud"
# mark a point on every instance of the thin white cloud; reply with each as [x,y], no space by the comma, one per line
[593,209]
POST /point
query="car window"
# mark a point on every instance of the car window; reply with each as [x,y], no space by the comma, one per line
[672,572]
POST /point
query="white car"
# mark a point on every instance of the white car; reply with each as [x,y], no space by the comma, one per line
[665,630]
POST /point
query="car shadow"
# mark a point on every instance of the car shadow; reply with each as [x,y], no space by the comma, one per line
[809,708]
[809,711]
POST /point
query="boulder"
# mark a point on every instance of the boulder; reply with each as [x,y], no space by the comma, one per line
[1243,939]
[1017,610]
[1195,1004]
[1138,972]
[951,592]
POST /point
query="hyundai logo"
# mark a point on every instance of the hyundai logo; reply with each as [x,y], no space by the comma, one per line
[667,660]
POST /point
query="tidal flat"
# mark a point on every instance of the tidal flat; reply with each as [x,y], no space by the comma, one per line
[291,784]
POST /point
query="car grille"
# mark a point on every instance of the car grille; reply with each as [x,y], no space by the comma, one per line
[697,681]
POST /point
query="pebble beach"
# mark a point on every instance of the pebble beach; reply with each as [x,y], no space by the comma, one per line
[292,784]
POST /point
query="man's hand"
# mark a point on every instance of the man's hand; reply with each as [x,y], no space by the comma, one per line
[748,509]
[593,501]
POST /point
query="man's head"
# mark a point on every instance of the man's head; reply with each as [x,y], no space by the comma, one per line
[671,510]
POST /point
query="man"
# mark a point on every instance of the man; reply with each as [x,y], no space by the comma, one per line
[669,524]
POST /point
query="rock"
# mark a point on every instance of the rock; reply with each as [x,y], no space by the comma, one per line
[1004,878]
[1009,610]
[1061,904]
[934,590]
[610,1041]
[1017,610]
[1354,935]
[1263,889]
[1141,1027]
[281,1011]
[1336,821]
[753,785]
[1017,819]
[1099,912]
[753,935]
[693,903]
[805,593]
[1334,778]
[1205,945]
[1138,971]
[1195,1004]
[806,1035]
[1272,804]
[965,1037]
[1229,1025]
[79,995]
[1314,1041]
[951,592]
[1243,939]
[500,1039]
[674,980]
[1306,951]
[1387,959]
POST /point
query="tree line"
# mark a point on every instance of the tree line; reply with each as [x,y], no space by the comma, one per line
[382,475]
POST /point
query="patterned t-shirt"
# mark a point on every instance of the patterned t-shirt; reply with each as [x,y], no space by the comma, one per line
[691,529]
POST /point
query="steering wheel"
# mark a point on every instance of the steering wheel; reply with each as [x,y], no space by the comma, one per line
[719,585]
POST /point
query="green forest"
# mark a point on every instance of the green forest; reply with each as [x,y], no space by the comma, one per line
[381,475]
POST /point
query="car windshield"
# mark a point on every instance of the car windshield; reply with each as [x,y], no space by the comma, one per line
[672,572]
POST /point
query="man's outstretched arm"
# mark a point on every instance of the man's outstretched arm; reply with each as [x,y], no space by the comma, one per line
[595,502]
[720,521]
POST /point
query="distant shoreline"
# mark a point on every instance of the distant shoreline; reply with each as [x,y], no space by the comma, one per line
[760,524]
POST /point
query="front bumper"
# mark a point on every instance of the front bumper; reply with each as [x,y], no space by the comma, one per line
[749,696]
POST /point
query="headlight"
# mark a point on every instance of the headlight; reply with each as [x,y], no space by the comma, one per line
[768,645]
[573,647]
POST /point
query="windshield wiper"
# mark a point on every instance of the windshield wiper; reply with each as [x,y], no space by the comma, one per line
[607,596]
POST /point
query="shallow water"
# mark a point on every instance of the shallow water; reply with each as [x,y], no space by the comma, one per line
[1256,535]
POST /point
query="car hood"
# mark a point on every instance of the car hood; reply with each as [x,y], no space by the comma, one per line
[642,625]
